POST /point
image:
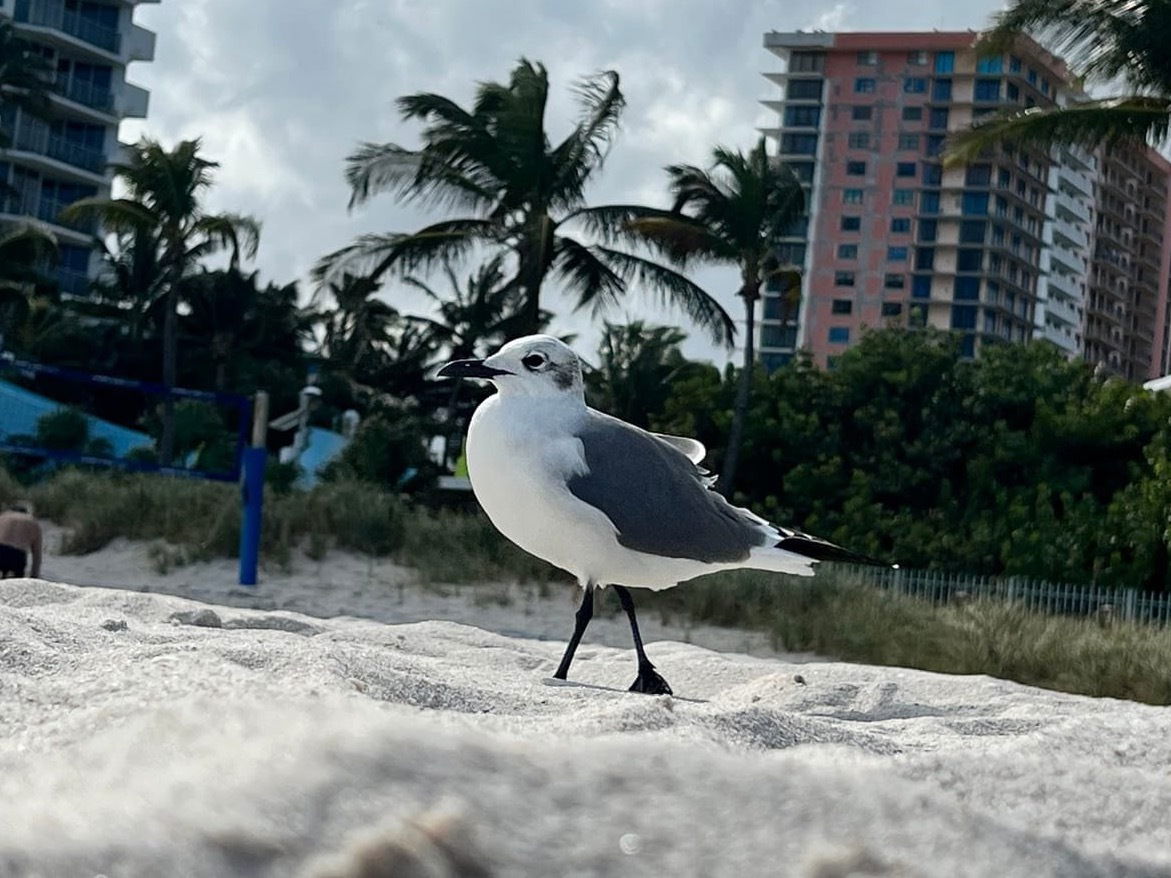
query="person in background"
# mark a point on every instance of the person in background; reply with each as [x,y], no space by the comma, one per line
[20,536]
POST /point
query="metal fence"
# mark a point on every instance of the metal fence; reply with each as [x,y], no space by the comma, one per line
[1033,594]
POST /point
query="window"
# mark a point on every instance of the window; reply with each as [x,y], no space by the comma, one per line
[974,204]
[778,336]
[894,281]
[938,118]
[807,62]
[851,223]
[912,114]
[843,278]
[921,286]
[917,58]
[791,254]
[799,144]
[900,225]
[969,259]
[859,140]
[842,306]
[990,64]
[924,258]
[934,144]
[839,334]
[851,196]
[861,112]
[945,62]
[856,168]
[903,197]
[928,229]
[1045,86]
[932,175]
[966,289]
[802,116]
[929,202]
[1014,64]
[847,251]
[972,231]
[909,141]
[865,85]
[915,85]
[803,171]
[987,90]
[941,90]
[905,169]
[1012,92]
[892,309]
[804,90]
[867,59]
[978,175]
[963,316]
[896,254]
[772,362]
[1032,77]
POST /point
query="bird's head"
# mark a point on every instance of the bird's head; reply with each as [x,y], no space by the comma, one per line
[536,365]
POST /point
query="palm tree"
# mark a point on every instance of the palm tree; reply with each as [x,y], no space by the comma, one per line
[1114,41]
[360,331]
[24,75]
[637,365]
[734,213]
[525,196]
[24,248]
[162,212]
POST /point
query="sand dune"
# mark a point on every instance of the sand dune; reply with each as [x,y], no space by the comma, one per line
[137,741]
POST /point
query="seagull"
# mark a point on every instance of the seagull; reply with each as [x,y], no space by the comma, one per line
[608,502]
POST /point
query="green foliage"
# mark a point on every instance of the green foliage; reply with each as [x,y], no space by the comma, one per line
[384,448]
[63,430]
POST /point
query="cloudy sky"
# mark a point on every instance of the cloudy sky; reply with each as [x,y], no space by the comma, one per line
[282,90]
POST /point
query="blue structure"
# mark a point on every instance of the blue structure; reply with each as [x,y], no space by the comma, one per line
[20,410]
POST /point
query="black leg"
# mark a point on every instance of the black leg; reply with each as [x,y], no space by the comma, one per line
[582,618]
[648,679]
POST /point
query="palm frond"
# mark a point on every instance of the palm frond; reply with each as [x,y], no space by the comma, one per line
[682,239]
[1106,122]
[116,214]
[235,232]
[402,253]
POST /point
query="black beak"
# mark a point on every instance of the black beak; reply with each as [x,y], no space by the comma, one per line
[469,369]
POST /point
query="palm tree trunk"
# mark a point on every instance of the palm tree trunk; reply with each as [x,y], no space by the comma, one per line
[740,409]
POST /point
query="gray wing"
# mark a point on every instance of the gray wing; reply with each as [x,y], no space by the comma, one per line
[656,498]
[692,448]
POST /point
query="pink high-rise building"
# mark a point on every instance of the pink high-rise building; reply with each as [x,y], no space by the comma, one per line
[1003,250]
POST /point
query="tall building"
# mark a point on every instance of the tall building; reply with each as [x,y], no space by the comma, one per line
[55,161]
[1004,249]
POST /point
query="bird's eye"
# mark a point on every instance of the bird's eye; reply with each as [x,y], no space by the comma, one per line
[533,362]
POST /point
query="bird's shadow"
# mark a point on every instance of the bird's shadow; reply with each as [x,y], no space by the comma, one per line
[574,684]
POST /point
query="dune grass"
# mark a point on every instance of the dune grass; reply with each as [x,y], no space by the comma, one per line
[831,615]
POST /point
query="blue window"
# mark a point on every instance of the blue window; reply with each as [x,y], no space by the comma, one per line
[968,346]
[990,64]
[974,204]
[929,202]
[921,286]
[778,336]
[905,169]
[987,90]
[804,90]
[1032,77]
[934,144]
[945,62]
[1014,64]
[908,141]
[900,225]
[941,90]
[896,254]
[938,118]
[799,144]
[852,196]
[969,259]
[963,316]
[904,197]
[802,117]
[847,251]
[928,228]
[843,278]
[851,223]
[856,168]
[932,175]
[972,231]
[865,85]
[73,258]
[839,334]
[772,362]
[915,85]
[924,258]
[967,289]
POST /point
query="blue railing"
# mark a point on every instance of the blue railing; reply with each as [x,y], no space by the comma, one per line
[85,93]
[35,136]
[52,13]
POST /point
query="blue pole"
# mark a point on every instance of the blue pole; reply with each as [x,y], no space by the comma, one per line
[254,461]
[252,483]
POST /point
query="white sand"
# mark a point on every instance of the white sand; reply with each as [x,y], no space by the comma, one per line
[134,744]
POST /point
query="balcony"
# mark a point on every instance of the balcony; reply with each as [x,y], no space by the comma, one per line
[53,14]
[35,136]
[85,93]
[47,210]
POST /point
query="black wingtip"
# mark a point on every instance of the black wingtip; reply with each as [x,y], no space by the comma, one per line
[820,550]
